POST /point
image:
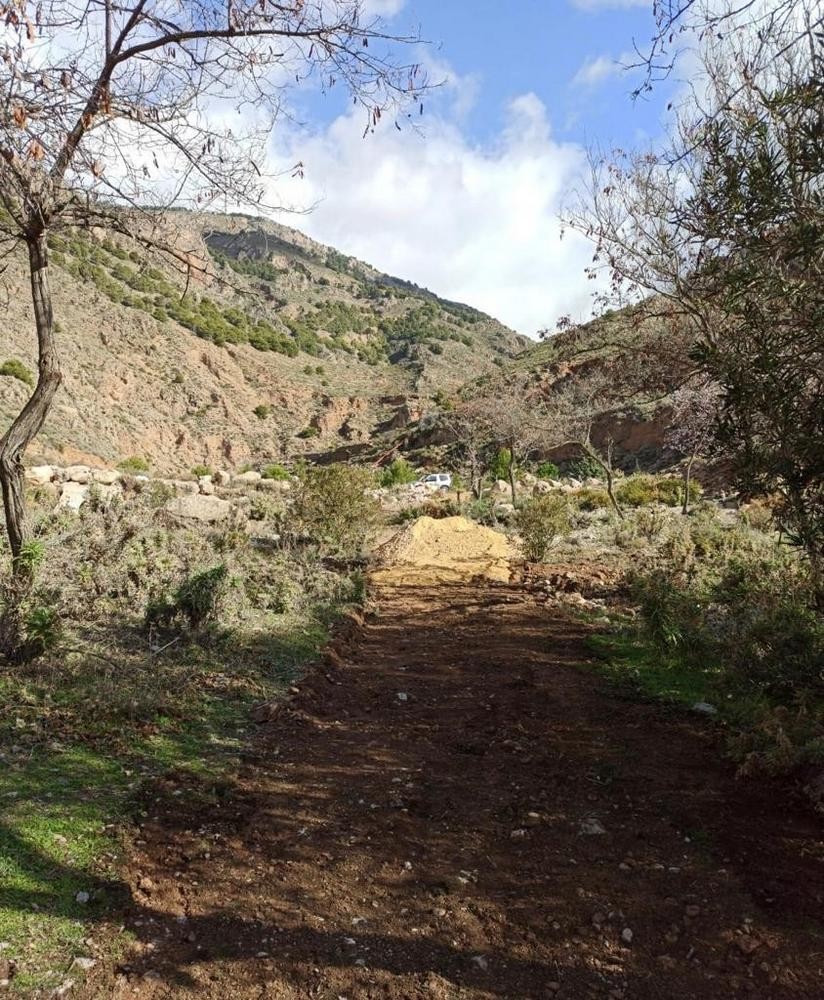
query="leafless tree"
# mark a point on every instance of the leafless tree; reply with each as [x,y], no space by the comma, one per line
[566,412]
[469,424]
[507,411]
[681,24]
[691,433]
[109,105]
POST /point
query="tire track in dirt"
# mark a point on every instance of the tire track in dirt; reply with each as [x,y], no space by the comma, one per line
[451,808]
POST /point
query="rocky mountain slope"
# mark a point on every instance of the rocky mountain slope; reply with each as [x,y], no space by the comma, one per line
[641,358]
[270,347]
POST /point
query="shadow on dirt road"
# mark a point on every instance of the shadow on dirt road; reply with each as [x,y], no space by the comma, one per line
[452,808]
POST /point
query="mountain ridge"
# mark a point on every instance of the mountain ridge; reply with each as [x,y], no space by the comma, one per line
[274,346]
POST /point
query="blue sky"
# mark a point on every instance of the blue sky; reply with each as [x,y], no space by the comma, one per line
[470,206]
[542,46]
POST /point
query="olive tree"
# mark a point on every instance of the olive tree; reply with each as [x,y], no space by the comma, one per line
[726,226]
[112,105]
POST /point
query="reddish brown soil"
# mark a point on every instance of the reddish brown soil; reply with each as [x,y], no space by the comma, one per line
[433,846]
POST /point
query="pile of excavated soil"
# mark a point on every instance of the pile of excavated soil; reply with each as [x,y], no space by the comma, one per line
[444,550]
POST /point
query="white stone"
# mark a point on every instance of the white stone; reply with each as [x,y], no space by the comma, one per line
[247,477]
[198,507]
[221,477]
[40,474]
[73,496]
[205,485]
[78,474]
[501,486]
[108,477]
[591,826]
[108,491]
[185,486]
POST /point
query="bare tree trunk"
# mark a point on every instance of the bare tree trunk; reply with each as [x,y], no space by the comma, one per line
[685,507]
[606,465]
[611,492]
[512,486]
[30,419]
[475,476]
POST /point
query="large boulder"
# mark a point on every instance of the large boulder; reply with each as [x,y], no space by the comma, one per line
[247,478]
[39,475]
[77,474]
[205,485]
[500,486]
[106,477]
[275,485]
[199,507]
[186,486]
[541,487]
[73,496]
[221,477]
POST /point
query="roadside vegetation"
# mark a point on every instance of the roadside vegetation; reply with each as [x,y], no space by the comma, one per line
[140,647]
[723,617]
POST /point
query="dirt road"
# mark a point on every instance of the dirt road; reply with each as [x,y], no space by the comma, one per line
[454,809]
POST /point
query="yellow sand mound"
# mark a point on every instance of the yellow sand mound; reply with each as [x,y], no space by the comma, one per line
[449,548]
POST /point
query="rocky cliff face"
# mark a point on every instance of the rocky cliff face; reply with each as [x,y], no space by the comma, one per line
[272,346]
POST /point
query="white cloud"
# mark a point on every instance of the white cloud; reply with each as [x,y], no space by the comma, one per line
[609,4]
[476,224]
[383,8]
[599,68]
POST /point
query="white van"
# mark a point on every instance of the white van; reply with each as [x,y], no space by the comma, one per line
[436,481]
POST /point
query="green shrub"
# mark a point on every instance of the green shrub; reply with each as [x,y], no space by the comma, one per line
[670,614]
[333,507]
[309,432]
[637,491]
[134,464]
[262,411]
[198,597]
[482,511]
[754,618]
[32,553]
[583,468]
[16,369]
[540,522]
[548,470]
[499,468]
[641,490]
[196,602]
[201,470]
[275,471]
[589,498]
[397,473]
[41,631]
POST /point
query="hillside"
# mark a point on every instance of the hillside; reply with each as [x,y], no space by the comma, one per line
[272,346]
[641,356]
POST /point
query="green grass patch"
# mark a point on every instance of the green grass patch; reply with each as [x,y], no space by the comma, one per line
[640,669]
[75,761]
